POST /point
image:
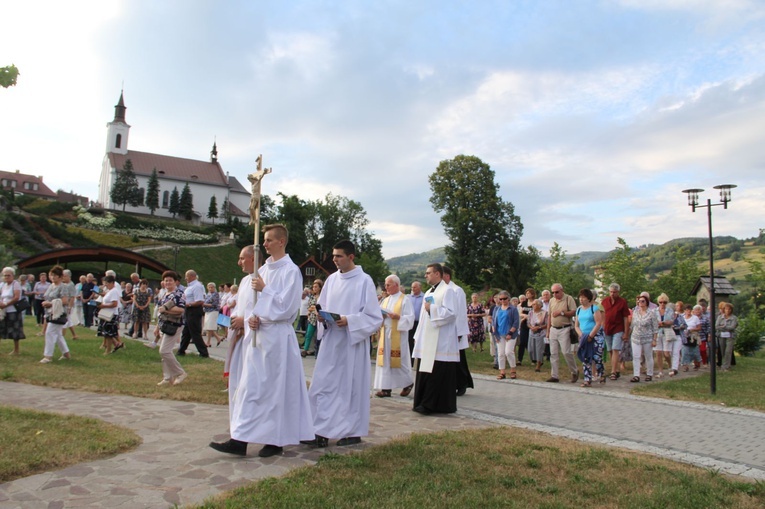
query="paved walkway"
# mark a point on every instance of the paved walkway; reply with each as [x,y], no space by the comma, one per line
[175,466]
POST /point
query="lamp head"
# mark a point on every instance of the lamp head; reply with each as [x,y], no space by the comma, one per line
[693,197]
[725,193]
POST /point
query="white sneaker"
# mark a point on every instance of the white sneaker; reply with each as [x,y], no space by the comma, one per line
[164,381]
[150,345]
[45,360]
[180,378]
[64,358]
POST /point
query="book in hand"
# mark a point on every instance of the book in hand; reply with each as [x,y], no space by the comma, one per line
[385,312]
[329,317]
[430,299]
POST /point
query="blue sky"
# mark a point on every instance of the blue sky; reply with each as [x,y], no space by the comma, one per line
[593,114]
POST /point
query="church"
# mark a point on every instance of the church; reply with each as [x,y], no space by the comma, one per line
[205,178]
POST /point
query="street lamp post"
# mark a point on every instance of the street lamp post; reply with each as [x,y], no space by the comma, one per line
[693,202]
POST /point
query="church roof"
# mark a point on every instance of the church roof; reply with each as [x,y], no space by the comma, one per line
[25,184]
[237,186]
[170,167]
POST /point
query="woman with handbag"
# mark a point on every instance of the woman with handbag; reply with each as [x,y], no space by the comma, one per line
[108,317]
[170,307]
[11,311]
[666,337]
[56,316]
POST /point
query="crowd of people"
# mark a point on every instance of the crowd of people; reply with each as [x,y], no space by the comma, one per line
[422,337]
[115,309]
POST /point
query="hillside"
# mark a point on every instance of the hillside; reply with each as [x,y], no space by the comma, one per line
[415,261]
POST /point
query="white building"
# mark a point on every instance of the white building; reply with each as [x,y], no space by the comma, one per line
[205,178]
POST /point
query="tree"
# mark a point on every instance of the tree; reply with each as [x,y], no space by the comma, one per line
[152,192]
[186,204]
[224,211]
[175,202]
[8,75]
[125,190]
[624,267]
[678,283]
[212,211]
[483,229]
[559,268]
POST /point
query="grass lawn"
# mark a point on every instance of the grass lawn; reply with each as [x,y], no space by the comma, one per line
[32,442]
[499,467]
[134,370]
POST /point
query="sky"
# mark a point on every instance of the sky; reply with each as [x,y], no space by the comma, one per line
[594,115]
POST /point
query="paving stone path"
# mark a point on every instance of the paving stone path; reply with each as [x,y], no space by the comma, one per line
[174,465]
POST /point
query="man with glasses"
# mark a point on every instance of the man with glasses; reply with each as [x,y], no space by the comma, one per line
[436,348]
[562,308]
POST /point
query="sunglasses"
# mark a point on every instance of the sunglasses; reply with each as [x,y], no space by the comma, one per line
[643,301]
[503,298]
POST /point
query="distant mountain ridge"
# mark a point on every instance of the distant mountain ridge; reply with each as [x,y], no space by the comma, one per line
[416,261]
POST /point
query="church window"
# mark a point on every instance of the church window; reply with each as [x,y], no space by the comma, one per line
[118,143]
[165,199]
[310,271]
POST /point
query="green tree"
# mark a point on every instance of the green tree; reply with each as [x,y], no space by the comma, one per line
[152,192]
[678,283]
[175,202]
[212,211]
[125,190]
[186,205]
[225,212]
[8,76]
[295,213]
[560,268]
[483,229]
[623,266]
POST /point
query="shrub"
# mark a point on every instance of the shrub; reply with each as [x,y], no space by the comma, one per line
[750,334]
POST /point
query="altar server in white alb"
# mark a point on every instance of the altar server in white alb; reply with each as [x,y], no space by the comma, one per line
[269,404]
[436,347]
[339,391]
[464,378]
[393,367]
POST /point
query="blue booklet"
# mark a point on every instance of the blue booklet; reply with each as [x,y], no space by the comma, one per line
[329,317]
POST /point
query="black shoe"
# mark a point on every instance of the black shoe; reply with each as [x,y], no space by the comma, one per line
[319,442]
[270,450]
[495,366]
[349,441]
[121,345]
[180,354]
[461,391]
[421,410]
[206,356]
[231,447]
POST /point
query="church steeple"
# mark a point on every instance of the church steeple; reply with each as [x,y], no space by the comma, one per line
[117,130]
[214,153]
[119,109]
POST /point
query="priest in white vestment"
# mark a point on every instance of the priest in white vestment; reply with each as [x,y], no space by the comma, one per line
[269,403]
[393,367]
[339,390]
[464,378]
[436,347]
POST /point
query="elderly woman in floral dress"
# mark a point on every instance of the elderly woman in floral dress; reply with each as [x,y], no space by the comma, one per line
[475,315]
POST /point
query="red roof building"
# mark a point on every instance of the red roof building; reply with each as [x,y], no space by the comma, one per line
[21,183]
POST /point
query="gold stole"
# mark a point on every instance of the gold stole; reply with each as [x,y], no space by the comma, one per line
[395,336]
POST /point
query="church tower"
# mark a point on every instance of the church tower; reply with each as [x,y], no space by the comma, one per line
[117,130]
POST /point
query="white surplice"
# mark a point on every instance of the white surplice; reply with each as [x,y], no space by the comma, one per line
[442,320]
[339,391]
[387,377]
[463,330]
[267,394]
